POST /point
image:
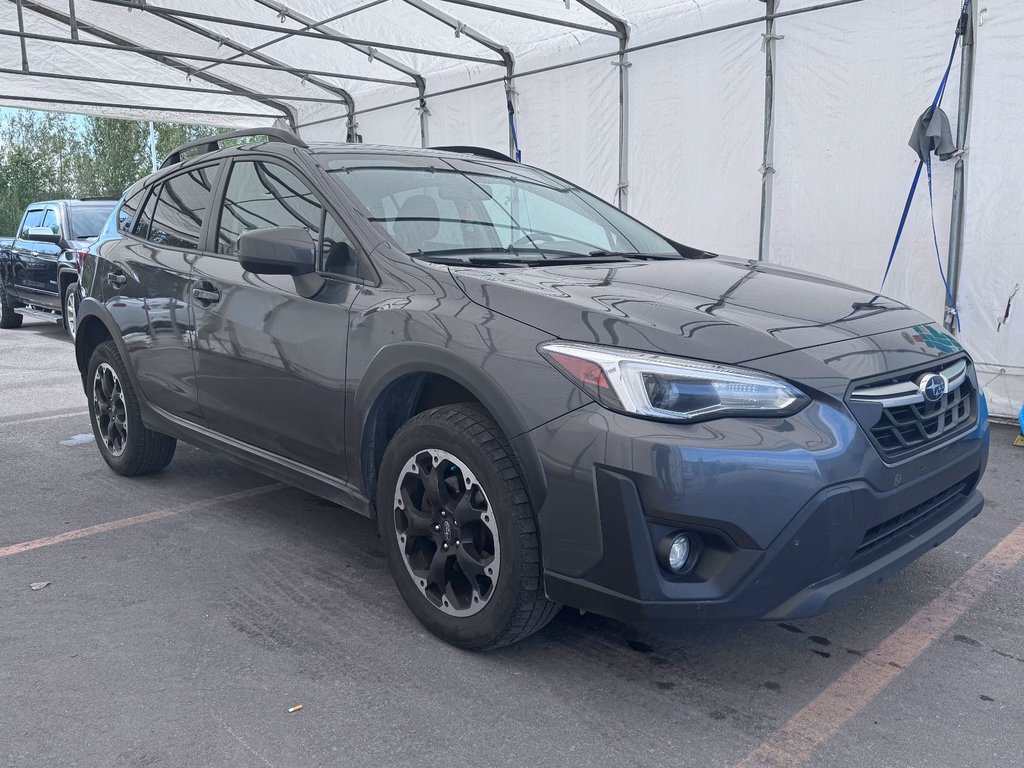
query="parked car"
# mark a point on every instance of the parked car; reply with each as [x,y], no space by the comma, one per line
[39,272]
[540,399]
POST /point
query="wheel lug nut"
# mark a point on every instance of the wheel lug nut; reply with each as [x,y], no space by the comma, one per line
[443,513]
[444,545]
[437,527]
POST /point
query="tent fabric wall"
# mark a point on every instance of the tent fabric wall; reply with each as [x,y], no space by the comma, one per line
[841,180]
[851,78]
[992,283]
[696,136]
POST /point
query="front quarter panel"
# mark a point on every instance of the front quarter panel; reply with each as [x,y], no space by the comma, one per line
[420,321]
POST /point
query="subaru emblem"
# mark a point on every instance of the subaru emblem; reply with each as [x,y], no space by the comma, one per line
[933,387]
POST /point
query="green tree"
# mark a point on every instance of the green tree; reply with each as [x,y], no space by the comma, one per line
[39,156]
[114,156]
[46,156]
[170,136]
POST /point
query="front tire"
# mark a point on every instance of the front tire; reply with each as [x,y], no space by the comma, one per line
[125,443]
[8,317]
[459,531]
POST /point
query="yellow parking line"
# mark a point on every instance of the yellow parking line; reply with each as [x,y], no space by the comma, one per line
[836,705]
[124,522]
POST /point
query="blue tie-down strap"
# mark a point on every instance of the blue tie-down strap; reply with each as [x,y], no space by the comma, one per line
[1021,420]
[926,164]
[515,135]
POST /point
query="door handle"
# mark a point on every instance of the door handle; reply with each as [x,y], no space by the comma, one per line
[116,278]
[206,294]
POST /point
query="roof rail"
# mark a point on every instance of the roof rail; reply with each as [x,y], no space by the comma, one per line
[491,154]
[213,143]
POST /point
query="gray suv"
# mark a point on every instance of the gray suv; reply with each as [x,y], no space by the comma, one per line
[542,401]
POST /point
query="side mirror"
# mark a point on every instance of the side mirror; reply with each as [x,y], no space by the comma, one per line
[42,235]
[277,251]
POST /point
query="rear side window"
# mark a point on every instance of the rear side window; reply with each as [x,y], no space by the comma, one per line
[87,221]
[182,205]
[146,217]
[129,210]
[33,218]
[50,221]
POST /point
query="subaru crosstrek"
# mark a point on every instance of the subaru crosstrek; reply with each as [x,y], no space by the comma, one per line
[542,401]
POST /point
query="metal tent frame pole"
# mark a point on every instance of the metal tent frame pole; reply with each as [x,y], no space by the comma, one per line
[768,156]
[331,34]
[958,219]
[114,41]
[131,47]
[21,30]
[288,35]
[159,86]
[536,16]
[22,99]
[343,95]
[461,28]
[623,64]
[148,7]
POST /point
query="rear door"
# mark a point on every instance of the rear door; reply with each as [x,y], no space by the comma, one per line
[146,283]
[270,364]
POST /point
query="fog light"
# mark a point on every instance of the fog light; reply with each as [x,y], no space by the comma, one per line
[674,552]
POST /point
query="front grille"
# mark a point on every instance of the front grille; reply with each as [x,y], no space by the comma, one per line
[902,428]
[905,428]
[880,534]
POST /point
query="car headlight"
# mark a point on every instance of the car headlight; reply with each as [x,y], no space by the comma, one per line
[671,388]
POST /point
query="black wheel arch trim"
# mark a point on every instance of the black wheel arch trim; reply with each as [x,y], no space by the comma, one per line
[396,361]
[91,311]
[68,275]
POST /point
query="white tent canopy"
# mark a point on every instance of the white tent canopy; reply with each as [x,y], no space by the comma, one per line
[659,106]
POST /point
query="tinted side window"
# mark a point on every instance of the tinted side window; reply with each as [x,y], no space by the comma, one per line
[50,221]
[261,195]
[128,210]
[33,218]
[146,217]
[179,213]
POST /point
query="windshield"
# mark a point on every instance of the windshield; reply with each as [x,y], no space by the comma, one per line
[433,205]
[88,222]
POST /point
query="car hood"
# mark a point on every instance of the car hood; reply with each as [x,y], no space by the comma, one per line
[718,309]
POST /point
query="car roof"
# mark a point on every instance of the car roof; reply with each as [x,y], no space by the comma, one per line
[327,147]
[323,148]
[95,202]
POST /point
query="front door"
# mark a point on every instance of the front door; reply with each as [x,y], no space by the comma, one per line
[34,262]
[270,364]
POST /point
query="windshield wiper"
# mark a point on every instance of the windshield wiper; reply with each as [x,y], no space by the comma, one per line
[632,255]
[531,258]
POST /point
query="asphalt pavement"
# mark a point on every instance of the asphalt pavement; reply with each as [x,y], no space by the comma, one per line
[187,612]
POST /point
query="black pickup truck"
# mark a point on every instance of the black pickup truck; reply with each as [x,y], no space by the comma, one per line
[39,268]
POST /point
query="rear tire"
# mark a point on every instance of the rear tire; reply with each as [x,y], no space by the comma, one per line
[459,531]
[71,309]
[8,317]
[125,443]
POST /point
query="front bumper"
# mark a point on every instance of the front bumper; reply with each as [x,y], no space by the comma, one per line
[794,515]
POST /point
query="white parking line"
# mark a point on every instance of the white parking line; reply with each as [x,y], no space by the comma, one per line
[16,422]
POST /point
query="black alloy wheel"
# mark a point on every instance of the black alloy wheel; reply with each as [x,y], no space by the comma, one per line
[459,530]
[446,532]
